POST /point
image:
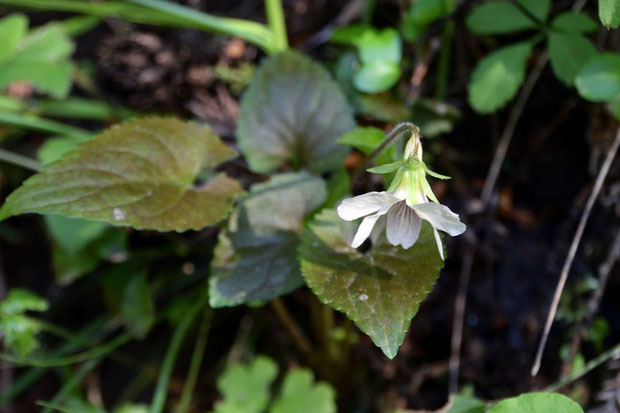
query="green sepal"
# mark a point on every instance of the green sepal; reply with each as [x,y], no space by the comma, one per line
[397,179]
[388,168]
[434,174]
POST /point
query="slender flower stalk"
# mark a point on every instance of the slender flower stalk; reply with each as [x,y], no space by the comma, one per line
[407,202]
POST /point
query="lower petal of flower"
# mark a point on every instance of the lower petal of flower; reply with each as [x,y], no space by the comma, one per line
[403,225]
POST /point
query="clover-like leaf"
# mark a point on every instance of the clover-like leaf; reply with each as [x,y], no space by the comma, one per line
[424,12]
[537,403]
[498,17]
[609,13]
[380,290]
[571,22]
[293,112]
[13,28]
[255,258]
[599,79]
[568,53]
[40,58]
[497,77]
[245,388]
[19,330]
[139,174]
[299,394]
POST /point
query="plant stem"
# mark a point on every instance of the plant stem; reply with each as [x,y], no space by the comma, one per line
[277,24]
[159,398]
[70,384]
[194,367]
[598,184]
[591,365]
[294,330]
[19,160]
[387,141]
[43,125]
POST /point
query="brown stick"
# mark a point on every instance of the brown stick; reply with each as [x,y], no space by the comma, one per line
[598,184]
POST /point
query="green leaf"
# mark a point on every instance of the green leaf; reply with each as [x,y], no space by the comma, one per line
[380,290]
[55,148]
[465,404]
[139,174]
[74,234]
[434,117]
[70,265]
[41,59]
[299,394]
[255,258]
[609,13]
[246,387]
[389,167]
[351,34]
[133,408]
[12,29]
[376,77]
[599,79]
[568,54]
[293,112]
[364,138]
[571,22]
[539,8]
[498,76]
[498,17]
[383,106]
[137,306]
[379,46]
[20,331]
[424,12]
[537,403]
[19,301]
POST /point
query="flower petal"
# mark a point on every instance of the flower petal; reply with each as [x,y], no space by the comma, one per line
[364,230]
[440,217]
[439,244]
[403,225]
[354,208]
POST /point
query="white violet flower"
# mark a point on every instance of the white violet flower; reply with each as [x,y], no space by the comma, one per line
[408,201]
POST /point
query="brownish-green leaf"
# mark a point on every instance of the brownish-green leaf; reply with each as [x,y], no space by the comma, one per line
[293,112]
[138,174]
[255,258]
[380,290]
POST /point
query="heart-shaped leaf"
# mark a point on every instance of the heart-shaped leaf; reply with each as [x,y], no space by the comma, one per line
[139,174]
[255,258]
[380,290]
[293,112]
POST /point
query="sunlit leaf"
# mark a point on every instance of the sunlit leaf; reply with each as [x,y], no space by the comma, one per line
[299,394]
[18,330]
[568,54]
[41,59]
[537,403]
[599,79]
[245,388]
[255,258]
[497,77]
[609,13]
[139,174]
[380,290]
[293,112]
[12,29]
